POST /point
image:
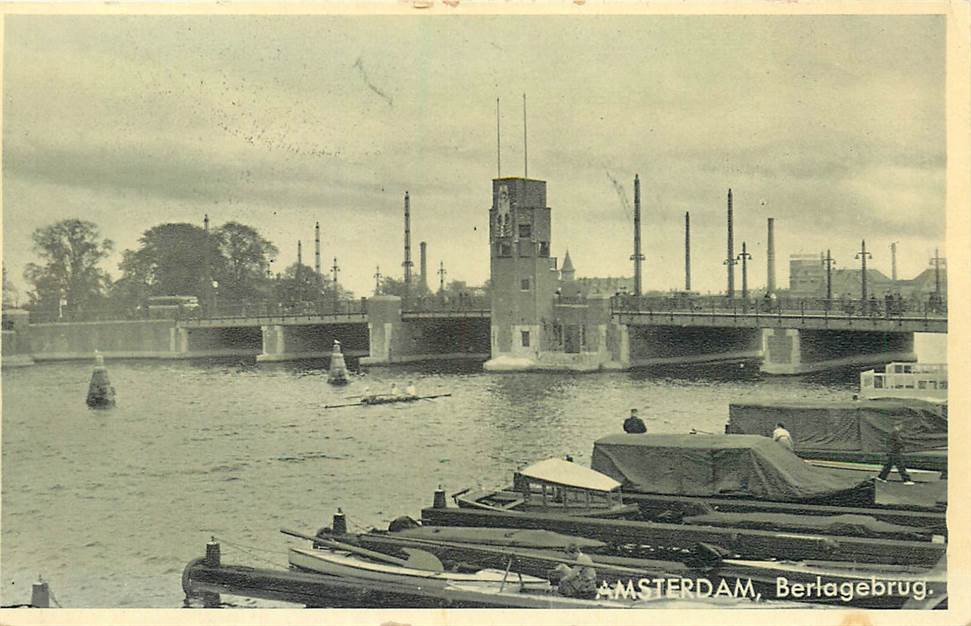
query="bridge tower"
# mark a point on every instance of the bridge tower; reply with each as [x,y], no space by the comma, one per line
[523,276]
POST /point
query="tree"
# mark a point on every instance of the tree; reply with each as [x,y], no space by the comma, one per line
[70,251]
[170,261]
[10,295]
[247,261]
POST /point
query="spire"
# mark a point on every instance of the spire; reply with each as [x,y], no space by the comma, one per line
[567,271]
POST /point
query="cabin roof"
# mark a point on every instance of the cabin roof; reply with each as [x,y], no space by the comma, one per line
[569,474]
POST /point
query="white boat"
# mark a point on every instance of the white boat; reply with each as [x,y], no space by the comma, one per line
[347,565]
[553,486]
[920,381]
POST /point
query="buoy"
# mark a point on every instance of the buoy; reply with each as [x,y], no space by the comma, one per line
[439,501]
[101,394]
[337,375]
[340,523]
[40,595]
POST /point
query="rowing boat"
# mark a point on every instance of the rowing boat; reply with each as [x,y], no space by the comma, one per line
[346,565]
[374,399]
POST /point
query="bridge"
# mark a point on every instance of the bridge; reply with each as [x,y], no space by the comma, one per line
[790,336]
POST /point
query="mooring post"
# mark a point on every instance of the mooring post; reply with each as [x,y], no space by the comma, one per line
[439,500]
[40,595]
[339,523]
[212,553]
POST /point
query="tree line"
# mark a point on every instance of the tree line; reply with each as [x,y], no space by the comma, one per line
[231,262]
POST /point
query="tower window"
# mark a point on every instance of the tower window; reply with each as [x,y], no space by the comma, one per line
[505,248]
[524,284]
[544,248]
[525,231]
[525,338]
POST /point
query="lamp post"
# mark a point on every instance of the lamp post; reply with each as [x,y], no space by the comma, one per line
[744,256]
[829,262]
[863,255]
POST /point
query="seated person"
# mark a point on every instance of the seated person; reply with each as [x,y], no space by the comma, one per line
[580,580]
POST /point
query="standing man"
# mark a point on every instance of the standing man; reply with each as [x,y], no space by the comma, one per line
[782,436]
[895,444]
[633,424]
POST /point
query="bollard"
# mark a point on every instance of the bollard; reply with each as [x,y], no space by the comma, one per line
[40,595]
[212,553]
[439,500]
[340,523]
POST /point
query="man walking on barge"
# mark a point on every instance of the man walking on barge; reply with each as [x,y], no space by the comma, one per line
[895,443]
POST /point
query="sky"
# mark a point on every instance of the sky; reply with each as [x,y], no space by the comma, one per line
[833,125]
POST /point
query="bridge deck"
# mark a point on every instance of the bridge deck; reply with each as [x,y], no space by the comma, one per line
[273,320]
[810,320]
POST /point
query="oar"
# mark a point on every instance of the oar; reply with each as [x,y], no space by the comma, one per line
[338,406]
[417,559]
[441,395]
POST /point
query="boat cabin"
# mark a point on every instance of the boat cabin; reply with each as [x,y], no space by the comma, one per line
[554,486]
[926,381]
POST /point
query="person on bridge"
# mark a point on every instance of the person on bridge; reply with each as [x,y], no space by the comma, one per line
[411,390]
[394,389]
[633,424]
[895,445]
[782,436]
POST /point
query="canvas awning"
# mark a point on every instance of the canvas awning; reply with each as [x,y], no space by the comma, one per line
[569,474]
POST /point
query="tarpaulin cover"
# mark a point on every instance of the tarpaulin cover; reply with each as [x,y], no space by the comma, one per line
[862,426]
[850,525]
[722,465]
[512,537]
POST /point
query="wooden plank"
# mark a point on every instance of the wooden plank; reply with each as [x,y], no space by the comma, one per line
[935,521]
[753,544]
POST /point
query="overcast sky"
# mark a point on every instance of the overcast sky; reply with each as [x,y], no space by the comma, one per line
[834,125]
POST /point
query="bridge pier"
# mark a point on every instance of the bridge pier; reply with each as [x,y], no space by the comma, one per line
[800,351]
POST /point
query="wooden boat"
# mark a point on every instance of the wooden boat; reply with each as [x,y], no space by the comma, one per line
[553,486]
[386,398]
[346,565]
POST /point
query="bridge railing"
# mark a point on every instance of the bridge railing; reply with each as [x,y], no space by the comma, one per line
[449,304]
[888,308]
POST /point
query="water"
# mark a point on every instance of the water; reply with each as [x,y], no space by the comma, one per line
[110,506]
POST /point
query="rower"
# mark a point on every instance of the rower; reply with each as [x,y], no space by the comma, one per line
[410,390]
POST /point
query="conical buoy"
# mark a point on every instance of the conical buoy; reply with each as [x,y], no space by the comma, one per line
[338,369]
[101,394]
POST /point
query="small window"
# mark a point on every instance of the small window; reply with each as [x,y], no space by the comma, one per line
[544,248]
[525,231]
[942,384]
[505,248]
[524,284]
[922,384]
[525,338]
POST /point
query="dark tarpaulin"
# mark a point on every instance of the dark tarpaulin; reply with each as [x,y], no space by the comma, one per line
[852,425]
[722,465]
[850,525]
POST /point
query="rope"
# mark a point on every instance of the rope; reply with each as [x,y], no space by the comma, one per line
[251,550]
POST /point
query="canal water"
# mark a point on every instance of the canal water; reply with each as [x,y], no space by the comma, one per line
[109,506]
